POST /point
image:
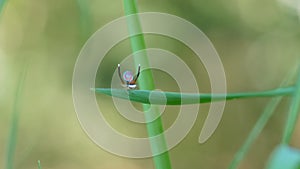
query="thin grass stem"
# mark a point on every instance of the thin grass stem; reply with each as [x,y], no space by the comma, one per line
[258,127]
[39,164]
[85,19]
[12,138]
[146,82]
[293,113]
[2,4]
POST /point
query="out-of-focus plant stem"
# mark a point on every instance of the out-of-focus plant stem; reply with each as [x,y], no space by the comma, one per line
[12,138]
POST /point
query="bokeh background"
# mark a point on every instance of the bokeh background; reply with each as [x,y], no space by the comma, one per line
[257,40]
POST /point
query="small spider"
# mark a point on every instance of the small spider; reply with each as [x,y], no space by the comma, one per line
[128,80]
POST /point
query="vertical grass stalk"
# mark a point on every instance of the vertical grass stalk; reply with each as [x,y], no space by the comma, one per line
[258,127]
[85,19]
[260,124]
[293,113]
[146,82]
[12,138]
[39,164]
[2,3]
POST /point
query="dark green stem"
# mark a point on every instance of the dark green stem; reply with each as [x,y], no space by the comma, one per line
[146,82]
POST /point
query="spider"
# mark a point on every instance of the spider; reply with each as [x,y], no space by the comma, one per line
[128,80]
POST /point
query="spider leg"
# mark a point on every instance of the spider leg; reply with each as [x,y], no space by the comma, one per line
[138,74]
[119,72]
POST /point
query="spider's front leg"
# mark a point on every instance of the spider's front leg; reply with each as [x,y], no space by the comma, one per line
[120,76]
[138,73]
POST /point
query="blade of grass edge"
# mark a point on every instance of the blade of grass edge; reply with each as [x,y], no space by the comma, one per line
[175,98]
[84,17]
[293,113]
[259,125]
[2,3]
[39,164]
[12,138]
[161,161]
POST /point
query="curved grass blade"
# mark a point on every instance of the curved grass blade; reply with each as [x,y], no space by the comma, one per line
[174,98]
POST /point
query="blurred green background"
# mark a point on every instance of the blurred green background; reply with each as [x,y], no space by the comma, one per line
[258,42]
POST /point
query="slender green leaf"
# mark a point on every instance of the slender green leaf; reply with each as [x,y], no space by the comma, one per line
[2,3]
[12,138]
[85,19]
[293,113]
[39,164]
[260,124]
[174,98]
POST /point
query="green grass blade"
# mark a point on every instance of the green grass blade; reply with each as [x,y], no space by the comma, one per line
[2,3]
[39,164]
[146,82]
[12,138]
[85,19]
[174,98]
[260,124]
[258,127]
[293,113]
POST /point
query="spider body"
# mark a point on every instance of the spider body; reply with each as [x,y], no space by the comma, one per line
[128,79]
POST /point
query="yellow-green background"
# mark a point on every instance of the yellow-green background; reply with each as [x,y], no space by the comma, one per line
[257,40]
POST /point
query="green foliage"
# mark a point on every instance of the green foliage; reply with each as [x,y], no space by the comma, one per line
[39,164]
[284,157]
[54,25]
[174,98]
[258,127]
[146,82]
[293,113]
[2,3]
[12,139]
[85,19]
